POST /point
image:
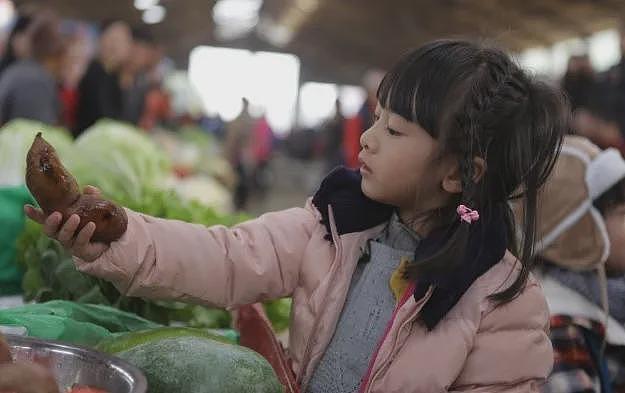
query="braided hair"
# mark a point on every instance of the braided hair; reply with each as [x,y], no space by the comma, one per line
[477,103]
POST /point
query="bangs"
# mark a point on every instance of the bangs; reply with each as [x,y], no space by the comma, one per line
[423,84]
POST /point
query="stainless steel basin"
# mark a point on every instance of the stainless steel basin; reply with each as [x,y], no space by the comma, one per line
[75,365]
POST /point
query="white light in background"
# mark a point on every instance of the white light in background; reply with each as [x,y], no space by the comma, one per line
[537,60]
[274,88]
[351,98]
[222,77]
[276,34]
[184,97]
[154,14]
[604,49]
[316,103]
[7,13]
[562,51]
[235,18]
[143,5]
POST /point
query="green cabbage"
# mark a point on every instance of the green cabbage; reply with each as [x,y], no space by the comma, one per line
[119,159]
[16,137]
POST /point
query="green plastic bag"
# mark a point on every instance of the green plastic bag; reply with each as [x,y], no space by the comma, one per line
[12,200]
[74,323]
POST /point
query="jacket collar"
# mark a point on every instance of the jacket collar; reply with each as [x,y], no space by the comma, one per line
[354,212]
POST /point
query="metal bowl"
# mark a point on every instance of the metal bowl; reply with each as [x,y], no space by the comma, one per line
[74,365]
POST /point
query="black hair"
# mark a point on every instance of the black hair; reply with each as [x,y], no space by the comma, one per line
[142,34]
[612,197]
[477,102]
[45,36]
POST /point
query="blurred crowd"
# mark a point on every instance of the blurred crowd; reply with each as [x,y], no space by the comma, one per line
[597,99]
[51,72]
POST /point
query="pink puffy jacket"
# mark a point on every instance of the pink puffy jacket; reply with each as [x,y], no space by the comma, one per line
[477,347]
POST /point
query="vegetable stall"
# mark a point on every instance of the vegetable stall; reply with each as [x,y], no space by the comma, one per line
[173,175]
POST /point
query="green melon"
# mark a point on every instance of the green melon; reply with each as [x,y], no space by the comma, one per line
[180,360]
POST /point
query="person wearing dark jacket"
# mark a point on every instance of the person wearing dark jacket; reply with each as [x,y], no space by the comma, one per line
[99,91]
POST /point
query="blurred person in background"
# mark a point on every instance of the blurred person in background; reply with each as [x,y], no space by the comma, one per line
[76,60]
[29,87]
[261,149]
[356,126]
[18,45]
[579,81]
[134,77]
[99,91]
[332,132]
[612,86]
[581,228]
[157,108]
[598,117]
[237,152]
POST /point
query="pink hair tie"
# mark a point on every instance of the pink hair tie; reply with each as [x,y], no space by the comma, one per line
[467,215]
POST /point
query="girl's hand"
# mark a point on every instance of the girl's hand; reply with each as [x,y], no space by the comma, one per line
[78,243]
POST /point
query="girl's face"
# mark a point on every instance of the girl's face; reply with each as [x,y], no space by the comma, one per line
[615,224]
[400,164]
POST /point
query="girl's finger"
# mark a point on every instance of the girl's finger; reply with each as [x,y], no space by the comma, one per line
[66,234]
[52,223]
[84,236]
[34,214]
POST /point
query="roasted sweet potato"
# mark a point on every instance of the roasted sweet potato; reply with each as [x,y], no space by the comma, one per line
[55,189]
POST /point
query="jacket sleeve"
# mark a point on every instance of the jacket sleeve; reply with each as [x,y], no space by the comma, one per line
[217,266]
[511,351]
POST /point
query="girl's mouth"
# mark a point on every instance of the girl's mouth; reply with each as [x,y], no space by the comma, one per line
[364,168]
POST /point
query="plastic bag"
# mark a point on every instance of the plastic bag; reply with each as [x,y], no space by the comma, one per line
[12,200]
[74,323]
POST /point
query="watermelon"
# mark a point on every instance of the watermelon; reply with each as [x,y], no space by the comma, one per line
[193,361]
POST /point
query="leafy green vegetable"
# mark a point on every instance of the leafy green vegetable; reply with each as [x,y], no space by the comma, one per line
[15,140]
[50,272]
[120,160]
[279,313]
[130,169]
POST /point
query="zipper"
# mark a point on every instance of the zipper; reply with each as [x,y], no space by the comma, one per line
[337,244]
[366,383]
[402,301]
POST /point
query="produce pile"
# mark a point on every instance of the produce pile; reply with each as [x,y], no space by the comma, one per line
[179,347]
[131,170]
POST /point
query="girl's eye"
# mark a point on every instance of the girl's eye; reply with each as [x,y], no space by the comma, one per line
[392,131]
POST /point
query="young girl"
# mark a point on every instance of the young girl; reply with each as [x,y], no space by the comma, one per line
[399,272]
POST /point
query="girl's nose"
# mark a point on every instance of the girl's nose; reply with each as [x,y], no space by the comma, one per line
[366,140]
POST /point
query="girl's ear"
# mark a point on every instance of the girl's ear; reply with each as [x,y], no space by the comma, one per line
[479,169]
[452,181]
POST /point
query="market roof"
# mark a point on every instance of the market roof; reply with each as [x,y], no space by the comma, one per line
[338,39]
